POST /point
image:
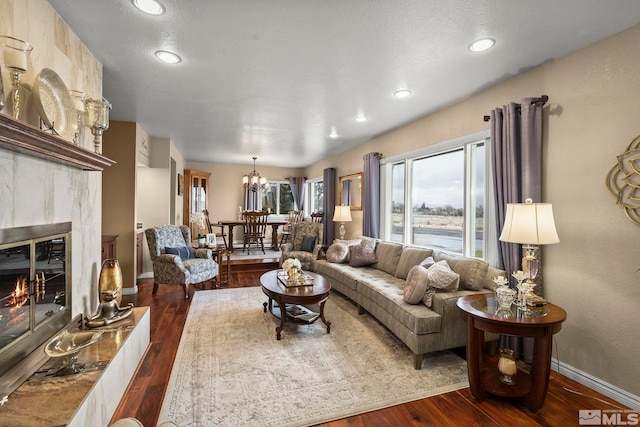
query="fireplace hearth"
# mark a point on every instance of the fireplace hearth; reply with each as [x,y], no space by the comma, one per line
[34,294]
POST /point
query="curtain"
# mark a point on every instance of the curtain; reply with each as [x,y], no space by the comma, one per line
[371,195]
[297,189]
[516,153]
[346,193]
[328,205]
[252,200]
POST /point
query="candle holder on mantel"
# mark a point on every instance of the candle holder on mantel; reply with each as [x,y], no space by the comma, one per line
[97,118]
[16,59]
[79,99]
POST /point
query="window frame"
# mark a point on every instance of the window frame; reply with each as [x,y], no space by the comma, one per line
[489,249]
[278,183]
[309,196]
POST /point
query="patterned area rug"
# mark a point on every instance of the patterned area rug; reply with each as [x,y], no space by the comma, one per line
[231,371]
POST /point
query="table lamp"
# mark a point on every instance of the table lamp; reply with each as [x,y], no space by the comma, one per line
[529,224]
[342,214]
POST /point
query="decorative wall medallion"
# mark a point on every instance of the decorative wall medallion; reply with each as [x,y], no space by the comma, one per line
[623,180]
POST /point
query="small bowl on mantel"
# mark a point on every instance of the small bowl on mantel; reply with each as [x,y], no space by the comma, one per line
[68,344]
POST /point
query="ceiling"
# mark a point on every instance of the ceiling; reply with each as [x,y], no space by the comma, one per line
[271,78]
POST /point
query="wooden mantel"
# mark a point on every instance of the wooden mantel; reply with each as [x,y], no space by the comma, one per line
[26,139]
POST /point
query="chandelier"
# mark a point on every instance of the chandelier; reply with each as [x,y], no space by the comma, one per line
[253,180]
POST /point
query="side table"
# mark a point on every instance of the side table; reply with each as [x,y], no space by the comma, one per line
[540,323]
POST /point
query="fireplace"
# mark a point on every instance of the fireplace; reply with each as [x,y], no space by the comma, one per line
[35,294]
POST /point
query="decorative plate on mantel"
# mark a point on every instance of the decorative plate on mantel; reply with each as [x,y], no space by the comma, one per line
[54,104]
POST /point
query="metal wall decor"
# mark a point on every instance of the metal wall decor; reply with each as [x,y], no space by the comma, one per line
[623,181]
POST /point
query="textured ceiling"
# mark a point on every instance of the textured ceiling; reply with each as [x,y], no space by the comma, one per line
[270,78]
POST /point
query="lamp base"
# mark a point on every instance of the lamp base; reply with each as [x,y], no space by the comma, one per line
[342,231]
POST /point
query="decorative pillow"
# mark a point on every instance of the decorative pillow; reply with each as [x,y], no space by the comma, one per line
[183,252]
[308,243]
[363,254]
[441,277]
[427,262]
[337,253]
[417,282]
[349,243]
[472,271]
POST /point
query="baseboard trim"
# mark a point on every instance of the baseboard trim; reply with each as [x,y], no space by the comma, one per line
[597,384]
[130,291]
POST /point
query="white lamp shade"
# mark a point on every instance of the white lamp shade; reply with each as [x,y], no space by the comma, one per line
[342,213]
[529,223]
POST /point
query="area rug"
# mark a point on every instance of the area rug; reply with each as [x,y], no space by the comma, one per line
[231,371]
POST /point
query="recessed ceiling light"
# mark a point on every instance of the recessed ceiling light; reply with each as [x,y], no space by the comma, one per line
[333,134]
[168,57]
[481,45]
[152,7]
[402,93]
[360,118]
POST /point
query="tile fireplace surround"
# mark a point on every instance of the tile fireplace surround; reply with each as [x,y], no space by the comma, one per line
[63,182]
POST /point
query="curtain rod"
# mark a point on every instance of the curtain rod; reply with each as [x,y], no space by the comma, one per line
[542,100]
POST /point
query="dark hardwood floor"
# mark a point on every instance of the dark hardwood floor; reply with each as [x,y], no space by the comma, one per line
[169,309]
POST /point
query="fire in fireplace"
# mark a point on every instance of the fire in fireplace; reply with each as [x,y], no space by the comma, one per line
[34,288]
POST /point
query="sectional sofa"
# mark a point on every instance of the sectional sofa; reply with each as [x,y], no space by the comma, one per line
[379,289]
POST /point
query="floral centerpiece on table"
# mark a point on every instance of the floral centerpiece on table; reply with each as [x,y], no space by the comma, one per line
[292,266]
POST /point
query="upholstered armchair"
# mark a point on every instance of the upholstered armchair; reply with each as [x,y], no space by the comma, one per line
[174,261]
[305,243]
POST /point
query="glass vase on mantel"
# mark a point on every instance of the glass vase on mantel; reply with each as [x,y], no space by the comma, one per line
[110,278]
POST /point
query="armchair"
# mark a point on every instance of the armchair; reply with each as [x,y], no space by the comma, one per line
[174,261]
[305,244]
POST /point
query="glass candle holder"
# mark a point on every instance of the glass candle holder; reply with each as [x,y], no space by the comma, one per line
[79,99]
[507,366]
[96,116]
[505,296]
[15,53]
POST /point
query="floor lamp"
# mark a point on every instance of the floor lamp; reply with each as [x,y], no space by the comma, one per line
[342,214]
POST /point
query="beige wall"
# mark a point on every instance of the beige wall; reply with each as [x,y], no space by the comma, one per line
[592,115]
[119,194]
[36,191]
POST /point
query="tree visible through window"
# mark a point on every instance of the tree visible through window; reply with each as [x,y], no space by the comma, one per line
[278,198]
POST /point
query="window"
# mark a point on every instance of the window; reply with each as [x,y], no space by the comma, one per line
[314,196]
[436,197]
[278,199]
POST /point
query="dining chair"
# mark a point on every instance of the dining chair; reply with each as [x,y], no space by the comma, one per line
[294,216]
[255,226]
[317,217]
[211,227]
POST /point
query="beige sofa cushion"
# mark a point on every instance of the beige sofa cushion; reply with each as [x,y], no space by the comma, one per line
[388,255]
[410,256]
[472,271]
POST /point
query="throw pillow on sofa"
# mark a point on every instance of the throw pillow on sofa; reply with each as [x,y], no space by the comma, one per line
[441,277]
[417,283]
[363,254]
[337,253]
[348,243]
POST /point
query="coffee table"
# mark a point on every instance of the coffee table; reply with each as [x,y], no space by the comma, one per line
[307,297]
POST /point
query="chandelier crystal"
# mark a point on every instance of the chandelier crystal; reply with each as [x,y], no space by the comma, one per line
[253,180]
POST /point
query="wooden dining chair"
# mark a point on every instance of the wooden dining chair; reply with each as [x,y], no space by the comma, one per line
[294,216]
[255,227]
[212,229]
[317,217]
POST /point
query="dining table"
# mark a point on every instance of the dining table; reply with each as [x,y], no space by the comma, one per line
[273,222]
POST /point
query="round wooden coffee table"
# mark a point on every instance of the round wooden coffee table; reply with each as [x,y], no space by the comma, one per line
[299,302]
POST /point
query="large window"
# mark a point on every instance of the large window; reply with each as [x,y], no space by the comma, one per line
[278,199]
[437,197]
